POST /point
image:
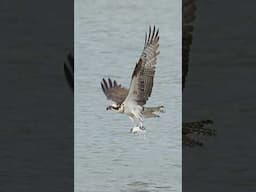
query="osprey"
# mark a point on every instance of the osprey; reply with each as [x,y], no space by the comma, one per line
[131,101]
[188,128]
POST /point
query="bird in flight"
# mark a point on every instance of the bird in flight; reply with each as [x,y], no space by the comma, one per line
[131,101]
[188,128]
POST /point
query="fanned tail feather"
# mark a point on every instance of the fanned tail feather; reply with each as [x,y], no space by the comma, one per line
[149,112]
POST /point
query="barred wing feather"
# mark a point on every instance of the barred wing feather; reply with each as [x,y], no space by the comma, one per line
[114,91]
[143,74]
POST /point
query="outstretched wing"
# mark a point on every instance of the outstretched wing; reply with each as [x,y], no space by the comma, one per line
[143,74]
[188,16]
[114,91]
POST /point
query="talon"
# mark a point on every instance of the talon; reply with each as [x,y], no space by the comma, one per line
[137,129]
[142,127]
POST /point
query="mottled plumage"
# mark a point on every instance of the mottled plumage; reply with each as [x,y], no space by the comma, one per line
[131,101]
[114,91]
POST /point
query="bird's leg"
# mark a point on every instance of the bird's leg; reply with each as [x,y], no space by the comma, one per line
[141,123]
[138,118]
[131,119]
[133,122]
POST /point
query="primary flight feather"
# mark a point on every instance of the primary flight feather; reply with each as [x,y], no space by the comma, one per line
[131,101]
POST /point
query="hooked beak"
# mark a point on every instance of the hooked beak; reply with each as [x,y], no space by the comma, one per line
[109,107]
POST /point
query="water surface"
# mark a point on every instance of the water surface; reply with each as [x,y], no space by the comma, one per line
[109,37]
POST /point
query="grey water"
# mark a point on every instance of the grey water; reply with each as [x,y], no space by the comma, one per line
[109,37]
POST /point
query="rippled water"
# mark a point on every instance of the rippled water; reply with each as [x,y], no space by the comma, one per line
[109,37]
